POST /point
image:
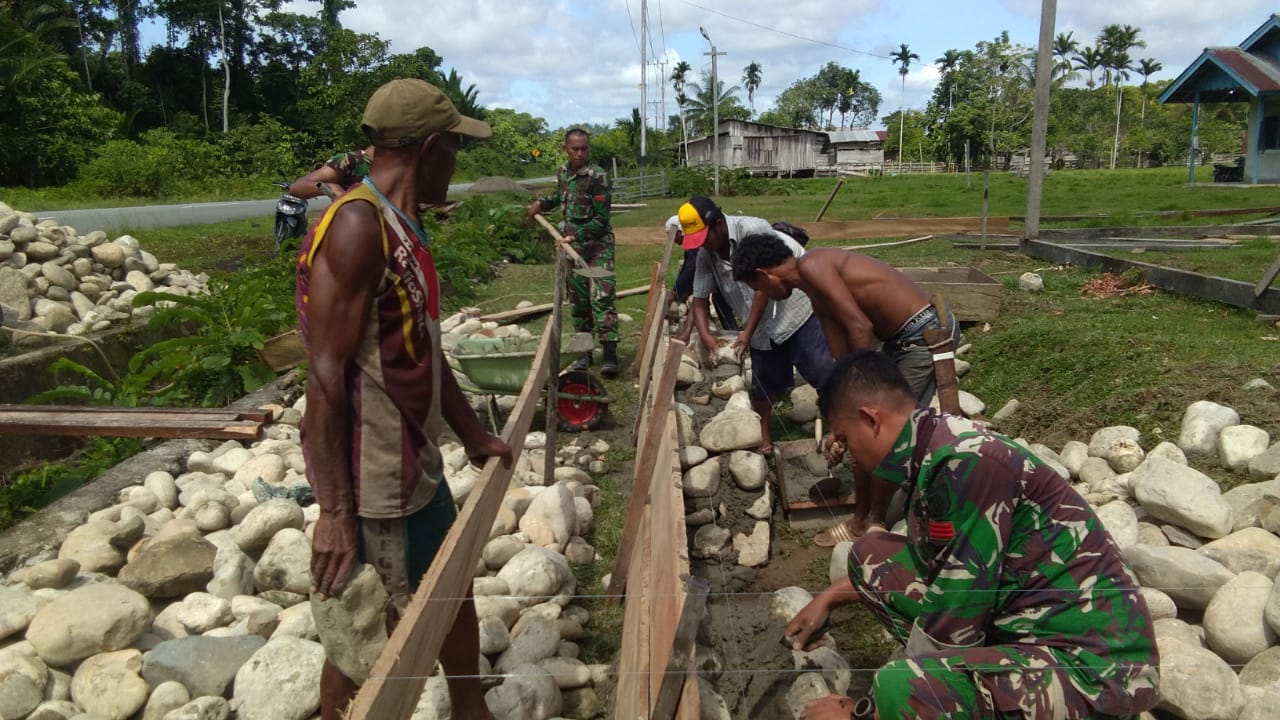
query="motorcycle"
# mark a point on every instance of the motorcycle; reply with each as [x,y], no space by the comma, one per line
[291,216]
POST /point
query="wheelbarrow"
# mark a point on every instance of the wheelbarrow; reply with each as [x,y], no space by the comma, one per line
[500,366]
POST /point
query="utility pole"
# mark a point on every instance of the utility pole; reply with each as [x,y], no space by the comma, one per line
[715,109]
[644,76]
[1040,120]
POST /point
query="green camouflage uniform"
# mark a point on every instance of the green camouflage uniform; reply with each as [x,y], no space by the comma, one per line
[1011,598]
[352,167]
[587,197]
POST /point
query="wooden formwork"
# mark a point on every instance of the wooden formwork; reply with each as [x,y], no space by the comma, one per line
[397,678]
[663,602]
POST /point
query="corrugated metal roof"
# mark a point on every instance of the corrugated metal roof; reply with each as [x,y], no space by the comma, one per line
[855,135]
[1256,70]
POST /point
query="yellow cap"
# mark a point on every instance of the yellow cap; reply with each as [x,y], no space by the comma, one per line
[695,219]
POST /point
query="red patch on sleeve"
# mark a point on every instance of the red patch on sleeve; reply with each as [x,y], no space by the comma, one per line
[941,530]
[599,198]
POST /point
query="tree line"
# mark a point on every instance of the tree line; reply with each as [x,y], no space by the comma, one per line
[242,88]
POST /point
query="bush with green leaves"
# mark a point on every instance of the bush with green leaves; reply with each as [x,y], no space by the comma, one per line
[25,493]
[484,231]
[216,360]
[155,165]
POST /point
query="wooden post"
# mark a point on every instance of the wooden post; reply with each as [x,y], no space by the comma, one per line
[551,424]
[1195,139]
[410,655]
[832,196]
[986,193]
[1040,118]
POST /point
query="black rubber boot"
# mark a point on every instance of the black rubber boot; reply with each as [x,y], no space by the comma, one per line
[609,361]
[582,364]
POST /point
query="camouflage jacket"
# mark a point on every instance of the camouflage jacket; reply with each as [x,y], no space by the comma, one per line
[1017,556]
[587,198]
[352,166]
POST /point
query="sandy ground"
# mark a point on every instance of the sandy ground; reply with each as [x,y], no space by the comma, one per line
[849,229]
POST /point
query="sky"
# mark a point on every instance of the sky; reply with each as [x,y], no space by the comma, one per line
[578,61]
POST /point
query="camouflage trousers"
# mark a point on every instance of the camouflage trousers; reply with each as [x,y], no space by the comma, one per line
[998,681]
[592,299]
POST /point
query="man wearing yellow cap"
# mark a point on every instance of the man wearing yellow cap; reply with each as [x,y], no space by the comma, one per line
[368,303]
[784,335]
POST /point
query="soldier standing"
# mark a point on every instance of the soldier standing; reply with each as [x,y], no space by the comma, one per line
[1008,594]
[584,192]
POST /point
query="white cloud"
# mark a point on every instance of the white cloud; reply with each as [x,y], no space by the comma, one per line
[574,61]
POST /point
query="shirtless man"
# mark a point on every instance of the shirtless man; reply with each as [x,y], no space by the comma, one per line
[859,301]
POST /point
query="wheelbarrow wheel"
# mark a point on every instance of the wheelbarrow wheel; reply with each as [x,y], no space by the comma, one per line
[576,413]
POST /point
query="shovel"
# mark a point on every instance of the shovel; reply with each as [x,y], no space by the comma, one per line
[580,265]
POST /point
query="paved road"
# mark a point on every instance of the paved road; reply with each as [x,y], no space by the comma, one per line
[153,216]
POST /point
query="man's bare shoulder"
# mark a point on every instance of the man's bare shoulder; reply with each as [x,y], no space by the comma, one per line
[352,244]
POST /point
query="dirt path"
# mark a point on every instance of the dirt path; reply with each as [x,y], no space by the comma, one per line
[849,229]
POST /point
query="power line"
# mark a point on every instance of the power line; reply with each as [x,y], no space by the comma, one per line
[632,23]
[836,45]
[662,29]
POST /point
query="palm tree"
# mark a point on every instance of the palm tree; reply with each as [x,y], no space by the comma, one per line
[1089,59]
[679,76]
[1115,39]
[947,64]
[1064,46]
[700,104]
[845,103]
[464,98]
[902,57]
[751,76]
[1146,68]
[1119,66]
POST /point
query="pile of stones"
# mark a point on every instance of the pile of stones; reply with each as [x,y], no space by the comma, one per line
[52,279]
[188,598]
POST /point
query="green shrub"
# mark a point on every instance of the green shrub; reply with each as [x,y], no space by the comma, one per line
[219,362]
[29,491]
[123,168]
[266,149]
[155,165]
[484,231]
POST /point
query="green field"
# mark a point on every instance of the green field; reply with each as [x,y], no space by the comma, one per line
[1076,363]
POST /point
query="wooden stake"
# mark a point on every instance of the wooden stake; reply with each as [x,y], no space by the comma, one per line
[832,196]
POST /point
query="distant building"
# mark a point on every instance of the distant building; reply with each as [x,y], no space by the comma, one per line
[781,151]
[858,146]
[1248,73]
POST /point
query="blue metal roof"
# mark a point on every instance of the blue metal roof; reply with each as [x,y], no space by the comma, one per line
[1229,74]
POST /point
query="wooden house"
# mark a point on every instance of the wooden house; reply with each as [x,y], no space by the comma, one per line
[1247,73]
[763,149]
[857,146]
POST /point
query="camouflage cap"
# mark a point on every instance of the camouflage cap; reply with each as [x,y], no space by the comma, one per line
[408,110]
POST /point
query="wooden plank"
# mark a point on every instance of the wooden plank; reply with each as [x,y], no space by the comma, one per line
[646,459]
[632,699]
[401,671]
[124,422]
[258,415]
[973,296]
[649,352]
[551,422]
[507,316]
[679,600]
[649,315]
[1268,277]
[1206,287]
